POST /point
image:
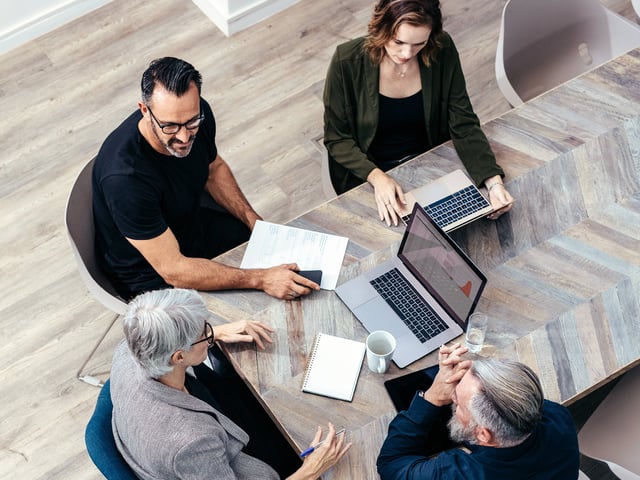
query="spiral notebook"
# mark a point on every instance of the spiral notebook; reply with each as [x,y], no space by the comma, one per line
[334,367]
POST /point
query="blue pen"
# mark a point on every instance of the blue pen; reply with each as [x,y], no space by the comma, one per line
[313,447]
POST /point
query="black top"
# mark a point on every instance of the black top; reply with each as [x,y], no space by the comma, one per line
[401,131]
[138,193]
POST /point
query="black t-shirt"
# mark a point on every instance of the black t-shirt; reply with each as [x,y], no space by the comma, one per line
[138,193]
[401,130]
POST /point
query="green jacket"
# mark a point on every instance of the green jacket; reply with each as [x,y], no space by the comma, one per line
[351,114]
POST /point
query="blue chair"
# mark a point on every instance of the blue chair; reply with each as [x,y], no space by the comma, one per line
[98,437]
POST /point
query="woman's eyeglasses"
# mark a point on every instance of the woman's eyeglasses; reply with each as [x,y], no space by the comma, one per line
[208,335]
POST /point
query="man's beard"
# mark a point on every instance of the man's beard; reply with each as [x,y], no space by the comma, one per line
[458,432]
[169,145]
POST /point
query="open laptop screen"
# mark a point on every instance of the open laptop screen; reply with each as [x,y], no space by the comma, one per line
[439,264]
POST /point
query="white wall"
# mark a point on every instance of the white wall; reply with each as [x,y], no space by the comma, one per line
[231,16]
[24,20]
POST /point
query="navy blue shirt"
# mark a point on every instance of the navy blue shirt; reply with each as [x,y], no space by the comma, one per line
[549,453]
[138,193]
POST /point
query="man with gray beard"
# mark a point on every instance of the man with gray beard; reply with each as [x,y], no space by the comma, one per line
[499,419]
[165,202]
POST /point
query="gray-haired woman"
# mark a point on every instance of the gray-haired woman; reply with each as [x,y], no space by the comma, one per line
[165,422]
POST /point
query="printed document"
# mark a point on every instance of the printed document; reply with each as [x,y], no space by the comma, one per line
[272,244]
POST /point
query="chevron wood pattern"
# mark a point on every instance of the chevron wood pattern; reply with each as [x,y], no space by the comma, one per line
[564,265]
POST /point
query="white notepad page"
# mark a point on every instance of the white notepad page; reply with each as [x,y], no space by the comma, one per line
[334,367]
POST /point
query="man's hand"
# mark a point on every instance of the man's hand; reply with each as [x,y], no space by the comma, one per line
[452,369]
[389,196]
[243,331]
[283,282]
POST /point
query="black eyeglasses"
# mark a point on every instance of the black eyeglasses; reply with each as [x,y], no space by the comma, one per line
[208,335]
[173,128]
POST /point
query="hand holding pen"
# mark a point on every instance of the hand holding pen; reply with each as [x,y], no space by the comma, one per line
[322,454]
[316,445]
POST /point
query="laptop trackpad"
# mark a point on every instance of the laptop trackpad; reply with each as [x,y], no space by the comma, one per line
[376,314]
[355,292]
[432,193]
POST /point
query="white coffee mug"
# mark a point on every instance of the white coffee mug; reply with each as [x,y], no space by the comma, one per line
[380,348]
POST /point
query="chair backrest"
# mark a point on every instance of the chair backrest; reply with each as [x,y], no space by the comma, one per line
[529,22]
[81,232]
[101,446]
[636,6]
[612,432]
[325,175]
[544,43]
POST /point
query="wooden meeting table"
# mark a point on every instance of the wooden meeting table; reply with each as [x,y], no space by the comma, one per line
[563,267]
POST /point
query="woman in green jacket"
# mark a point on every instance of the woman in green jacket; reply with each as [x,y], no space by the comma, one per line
[396,93]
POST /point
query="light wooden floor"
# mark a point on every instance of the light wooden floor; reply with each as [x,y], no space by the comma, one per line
[60,95]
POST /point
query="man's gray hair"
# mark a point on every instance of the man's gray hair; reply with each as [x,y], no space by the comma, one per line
[509,402]
[160,322]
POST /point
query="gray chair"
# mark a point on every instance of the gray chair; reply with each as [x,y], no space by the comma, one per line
[544,43]
[81,232]
[612,432]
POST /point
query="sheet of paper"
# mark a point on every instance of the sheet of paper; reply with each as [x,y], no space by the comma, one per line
[272,244]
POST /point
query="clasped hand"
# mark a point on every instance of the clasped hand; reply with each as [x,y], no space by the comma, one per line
[452,369]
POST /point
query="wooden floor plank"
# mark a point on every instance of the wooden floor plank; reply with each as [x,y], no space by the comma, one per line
[61,94]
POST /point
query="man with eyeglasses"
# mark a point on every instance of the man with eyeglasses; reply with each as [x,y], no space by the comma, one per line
[165,202]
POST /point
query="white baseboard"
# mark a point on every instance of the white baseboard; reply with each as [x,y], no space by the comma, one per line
[47,22]
[233,22]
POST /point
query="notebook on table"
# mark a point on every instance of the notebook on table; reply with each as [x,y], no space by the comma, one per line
[423,296]
[451,201]
[334,367]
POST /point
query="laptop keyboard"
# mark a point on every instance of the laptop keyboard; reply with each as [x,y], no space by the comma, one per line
[412,309]
[454,207]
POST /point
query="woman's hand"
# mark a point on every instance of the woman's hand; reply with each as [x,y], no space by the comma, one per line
[389,196]
[243,331]
[324,456]
[501,200]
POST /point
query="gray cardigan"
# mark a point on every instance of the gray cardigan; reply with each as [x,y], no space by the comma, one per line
[165,434]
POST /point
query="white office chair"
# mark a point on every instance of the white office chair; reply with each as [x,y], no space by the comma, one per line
[327,186]
[544,43]
[325,177]
[620,472]
[612,432]
[81,232]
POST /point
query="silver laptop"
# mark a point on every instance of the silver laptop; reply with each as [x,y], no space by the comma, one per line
[439,286]
[451,201]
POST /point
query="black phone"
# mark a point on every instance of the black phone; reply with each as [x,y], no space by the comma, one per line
[313,275]
[402,389]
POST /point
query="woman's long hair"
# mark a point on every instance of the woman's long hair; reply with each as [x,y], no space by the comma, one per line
[387,17]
